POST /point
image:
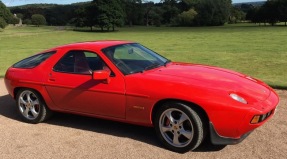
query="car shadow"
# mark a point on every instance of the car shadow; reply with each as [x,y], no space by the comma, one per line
[144,134]
[207,146]
[8,107]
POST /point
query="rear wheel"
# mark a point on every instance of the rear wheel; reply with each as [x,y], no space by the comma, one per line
[31,106]
[179,127]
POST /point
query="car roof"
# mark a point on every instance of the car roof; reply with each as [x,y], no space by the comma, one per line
[101,44]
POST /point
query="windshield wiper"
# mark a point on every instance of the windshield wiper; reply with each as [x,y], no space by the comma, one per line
[152,66]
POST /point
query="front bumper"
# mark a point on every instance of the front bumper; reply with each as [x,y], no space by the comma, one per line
[216,139]
[236,121]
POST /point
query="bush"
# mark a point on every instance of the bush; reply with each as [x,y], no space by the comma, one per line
[27,21]
[186,18]
[14,20]
[38,19]
[3,23]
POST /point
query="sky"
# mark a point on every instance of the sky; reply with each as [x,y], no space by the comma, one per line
[22,2]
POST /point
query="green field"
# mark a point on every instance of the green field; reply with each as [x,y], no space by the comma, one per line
[260,52]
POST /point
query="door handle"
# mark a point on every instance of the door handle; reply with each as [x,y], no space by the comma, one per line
[52,79]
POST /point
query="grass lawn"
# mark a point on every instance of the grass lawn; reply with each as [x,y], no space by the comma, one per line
[258,51]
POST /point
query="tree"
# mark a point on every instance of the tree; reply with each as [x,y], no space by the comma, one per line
[155,16]
[27,21]
[116,14]
[133,12]
[38,19]
[213,13]
[20,15]
[282,8]
[110,13]
[171,10]
[251,13]
[270,12]
[80,19]
[3,23]
[260,16]
[91,15]
[103,21]
[186,18]
[5,13]
[236,15]
[185,5]
[148,9]
[14,20]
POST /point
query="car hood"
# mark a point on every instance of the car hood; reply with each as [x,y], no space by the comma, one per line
[216,78]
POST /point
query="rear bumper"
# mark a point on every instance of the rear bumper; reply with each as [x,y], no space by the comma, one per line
[220,140]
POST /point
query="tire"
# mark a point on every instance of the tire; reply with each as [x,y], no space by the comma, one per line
[179,127]
[31,106]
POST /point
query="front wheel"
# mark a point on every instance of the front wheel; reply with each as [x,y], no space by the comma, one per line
[179,127]
[31,106]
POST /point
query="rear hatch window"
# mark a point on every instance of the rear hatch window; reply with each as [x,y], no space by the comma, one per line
[34,60]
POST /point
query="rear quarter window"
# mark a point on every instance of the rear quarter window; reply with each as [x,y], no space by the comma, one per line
[33,61]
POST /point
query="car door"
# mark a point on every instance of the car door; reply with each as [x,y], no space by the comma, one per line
[72,88]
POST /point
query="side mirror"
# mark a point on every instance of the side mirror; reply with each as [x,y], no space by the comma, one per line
[101,75]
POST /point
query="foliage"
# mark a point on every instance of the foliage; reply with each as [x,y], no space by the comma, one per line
[236,15]
[38,19]
[14,20]
[272,11]
[103,21]
[117,14]
[114,12]
[55,15]
[109,14]
[20,15]
[155,17]
[186,18]
[3,23]
[213,13]
[170,11]
[27,21]
[133,12]
[79,19]
[5,15]
[282,9]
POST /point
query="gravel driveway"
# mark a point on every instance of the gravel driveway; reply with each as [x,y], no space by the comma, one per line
[70,136]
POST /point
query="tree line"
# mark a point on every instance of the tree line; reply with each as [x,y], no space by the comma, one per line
[272,12]
[108,14]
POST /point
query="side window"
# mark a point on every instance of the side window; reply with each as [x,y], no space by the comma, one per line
[80,62]
[33,61]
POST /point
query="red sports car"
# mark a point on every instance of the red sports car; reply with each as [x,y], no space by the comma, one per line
[127,82]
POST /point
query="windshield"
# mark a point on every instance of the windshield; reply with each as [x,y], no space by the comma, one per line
[134,58]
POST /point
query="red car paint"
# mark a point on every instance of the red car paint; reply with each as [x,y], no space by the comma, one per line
[132,98]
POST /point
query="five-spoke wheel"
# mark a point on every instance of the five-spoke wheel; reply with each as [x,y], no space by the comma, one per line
[179,127]
[31,107]
[176,127]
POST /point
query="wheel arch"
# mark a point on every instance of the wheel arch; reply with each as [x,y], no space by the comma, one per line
[44,113]
[192,105]
[17,89]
